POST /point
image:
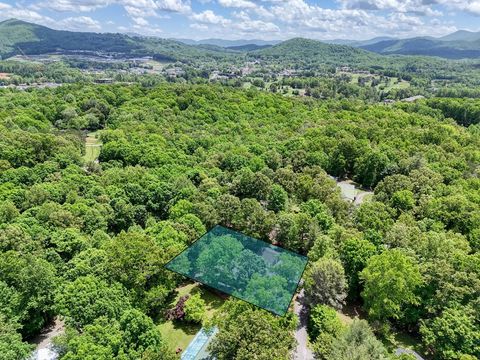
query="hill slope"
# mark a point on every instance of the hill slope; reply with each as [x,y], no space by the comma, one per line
[312,51]
[462,35]
[457,46]
[17,37]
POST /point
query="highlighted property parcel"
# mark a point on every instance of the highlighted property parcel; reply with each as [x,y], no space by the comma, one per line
[252,270]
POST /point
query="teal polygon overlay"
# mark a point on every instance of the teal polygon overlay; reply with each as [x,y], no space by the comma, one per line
[252,270]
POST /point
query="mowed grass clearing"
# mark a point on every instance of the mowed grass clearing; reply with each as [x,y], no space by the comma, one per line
[178,334]
[92,147]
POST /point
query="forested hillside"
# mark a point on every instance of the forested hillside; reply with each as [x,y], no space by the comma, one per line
[20,37]
[87,241]
[308,50]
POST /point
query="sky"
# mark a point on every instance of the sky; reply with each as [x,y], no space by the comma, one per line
[252,19]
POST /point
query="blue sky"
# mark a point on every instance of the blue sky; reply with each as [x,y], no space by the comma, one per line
[252,19]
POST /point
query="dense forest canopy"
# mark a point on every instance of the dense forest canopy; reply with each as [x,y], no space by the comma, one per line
[87,241]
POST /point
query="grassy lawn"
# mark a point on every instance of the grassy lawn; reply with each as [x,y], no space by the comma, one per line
[92,147]
[178,334]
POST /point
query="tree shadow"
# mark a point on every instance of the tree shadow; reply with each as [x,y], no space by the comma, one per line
[186,327]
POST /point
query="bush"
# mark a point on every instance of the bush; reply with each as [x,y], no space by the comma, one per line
[323,319]
[194,308]
[323,327]
[178,312]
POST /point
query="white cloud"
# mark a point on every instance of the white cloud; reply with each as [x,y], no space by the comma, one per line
[4,6]
[146,6]
[470,6]
[140,21]
[173,6]
[421,7]
[25,14]
[134,11]
[304,19]
[254,26]
[199,26]
[237,4]
[74,5]
[209,17]
[79,23]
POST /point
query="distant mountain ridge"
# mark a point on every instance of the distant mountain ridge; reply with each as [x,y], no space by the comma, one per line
[229,43]
[358,43]
[462,35]
[458,45]
[451,49]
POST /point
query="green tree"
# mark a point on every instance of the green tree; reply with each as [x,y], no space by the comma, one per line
[391,282]
[195,308]
[34,282]
[357,343]
[277,198]
[324,326]
[325,283]
[453,334]
[11,345]
[354,254]
[246,333]
[136,260]
[132,337]
[87,298]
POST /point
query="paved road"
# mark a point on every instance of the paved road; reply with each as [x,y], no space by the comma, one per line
[302,352]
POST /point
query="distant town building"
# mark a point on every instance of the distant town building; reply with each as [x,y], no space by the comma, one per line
[104,81]
[413,98]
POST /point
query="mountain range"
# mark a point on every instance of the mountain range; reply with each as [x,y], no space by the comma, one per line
[458,45]
[229,43]
[20,37]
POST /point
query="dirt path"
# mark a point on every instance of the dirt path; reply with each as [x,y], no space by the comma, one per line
[43,341]
[302,351]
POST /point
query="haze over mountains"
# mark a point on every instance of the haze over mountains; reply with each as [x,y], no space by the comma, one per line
[229,43]
[19,37]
